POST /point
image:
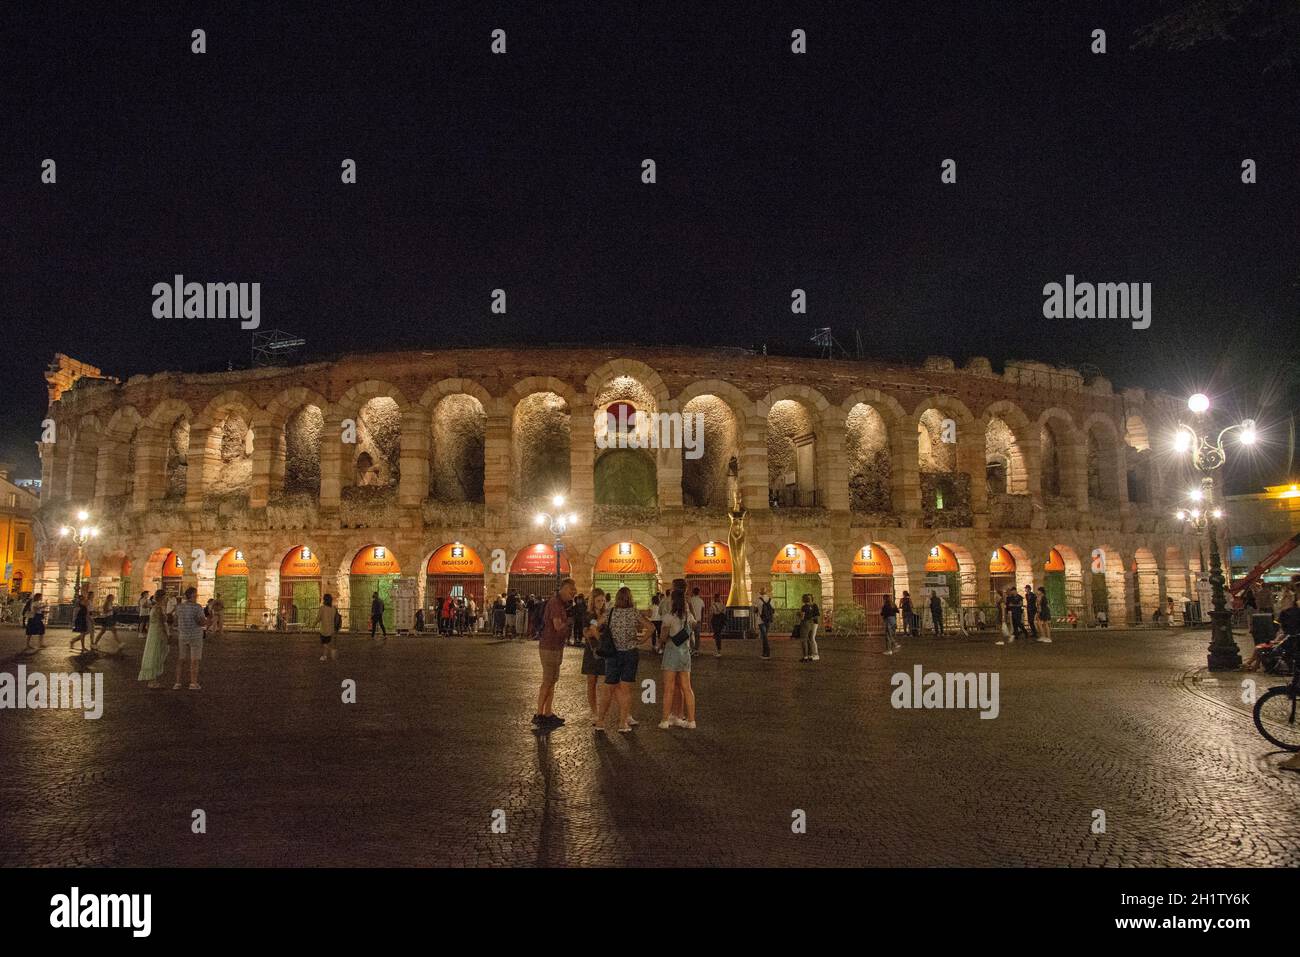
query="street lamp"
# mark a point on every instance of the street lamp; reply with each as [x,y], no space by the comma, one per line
[80,535]
[559,524]
[1207,457]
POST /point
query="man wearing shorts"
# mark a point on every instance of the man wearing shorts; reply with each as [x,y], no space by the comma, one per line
[550,648]
[191,620]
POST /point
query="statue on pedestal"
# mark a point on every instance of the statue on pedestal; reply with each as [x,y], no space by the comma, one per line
[738,597]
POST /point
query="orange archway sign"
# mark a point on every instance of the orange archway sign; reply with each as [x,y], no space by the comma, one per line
[711,558]
[940,559]
[538,559]
[455,559]
[627,558]
[173,566]
[795,559]
[1002,562]
[375,560]
[1055,563]
[301,562]
[872,560]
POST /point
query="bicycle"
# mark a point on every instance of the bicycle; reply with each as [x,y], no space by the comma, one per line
[1276,709]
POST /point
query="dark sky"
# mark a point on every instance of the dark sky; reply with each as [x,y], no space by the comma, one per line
[775,171]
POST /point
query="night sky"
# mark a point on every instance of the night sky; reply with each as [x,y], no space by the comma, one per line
[775,171]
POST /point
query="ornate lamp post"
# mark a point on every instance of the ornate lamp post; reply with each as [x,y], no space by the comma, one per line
[80,535]
[559,525]
[1208,457]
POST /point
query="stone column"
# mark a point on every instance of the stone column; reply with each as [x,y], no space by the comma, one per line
[204,459]
[108,472]
[84,468]
[413,485]
[668,467]
[833,467]
[150,467]
[905,468]
[582,459]
[1031,450]
[842,580]
[496,461]
[1073,457]
[970,460]
[264,449]
[983,578]
[753,462]
[332,458]
[46,451]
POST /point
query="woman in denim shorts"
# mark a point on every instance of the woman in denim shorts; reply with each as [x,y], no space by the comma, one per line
[677,662]
[628,626]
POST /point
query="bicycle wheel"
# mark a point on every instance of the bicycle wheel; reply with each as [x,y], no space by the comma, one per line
[1277,717]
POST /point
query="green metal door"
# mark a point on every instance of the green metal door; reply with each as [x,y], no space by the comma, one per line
[641,586]
[362,588]
[233,592]
[1054,586]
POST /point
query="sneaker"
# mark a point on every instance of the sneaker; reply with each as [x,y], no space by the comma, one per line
[665,725]
[537,719]
[717,654]
[632,722]
[689,724]
[324,657]
[195,686]
[765,658]
[1045,641]
[816,658]
[554,719]
[678,722]
[627,730]
[999,642]
[176,687]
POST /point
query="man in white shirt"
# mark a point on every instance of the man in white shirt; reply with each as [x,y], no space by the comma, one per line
[696,605]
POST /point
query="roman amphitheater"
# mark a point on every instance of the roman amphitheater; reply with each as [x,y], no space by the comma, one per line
[273,485]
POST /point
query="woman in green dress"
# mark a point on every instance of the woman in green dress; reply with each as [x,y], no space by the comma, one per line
[154,659]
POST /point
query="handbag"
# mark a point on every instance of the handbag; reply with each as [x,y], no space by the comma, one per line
[605,648]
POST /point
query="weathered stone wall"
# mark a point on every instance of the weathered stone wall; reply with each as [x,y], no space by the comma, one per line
[541,446]
[456,456]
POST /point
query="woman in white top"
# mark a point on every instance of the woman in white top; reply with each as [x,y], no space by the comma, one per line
[678,623]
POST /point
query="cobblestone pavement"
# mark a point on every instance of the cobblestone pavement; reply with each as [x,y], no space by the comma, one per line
[439,738]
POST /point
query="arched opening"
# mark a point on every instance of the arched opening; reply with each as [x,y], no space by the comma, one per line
[1108,586]
[792,454]
[708,568]
[124,588]
[456,453]
[377,453]
[454,572]
[945,491]
[866,446]
[626,477]
[628,565]
[165,569]
[1103,475]
[533,571]
[1146,585]
[177,464]
[232,470]
[949,574]
[1063,582]
[1002,573]
[231,586]
[704,479]
[1050,457]
[1005,470]
[374,572]
[300,443]
[300,585]
[876,574]
[795,572]
[541,443]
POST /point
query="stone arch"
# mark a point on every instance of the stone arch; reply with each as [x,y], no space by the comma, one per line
[728,414]
[1009,447]
[1072,589]
[967,573]
[795,420]
[626,468]
[541,440]
[604,373]
[226,463]
[1114,584]
[458,441]
[171,419]
[1024,574]
[871,426]
[1060,456]
[1103,460]
[118,454]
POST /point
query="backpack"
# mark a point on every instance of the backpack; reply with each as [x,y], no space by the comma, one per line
[765,611]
